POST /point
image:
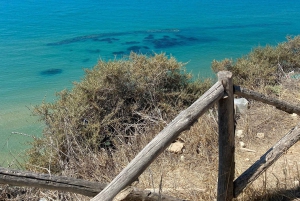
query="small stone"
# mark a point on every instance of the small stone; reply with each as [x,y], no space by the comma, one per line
[296,182]
[176,147]
[247,159]
[242,144]
[182,158]
[239,133]
[294,116]
[260,135]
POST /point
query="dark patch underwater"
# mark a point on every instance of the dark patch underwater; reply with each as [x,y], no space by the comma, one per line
[51,71]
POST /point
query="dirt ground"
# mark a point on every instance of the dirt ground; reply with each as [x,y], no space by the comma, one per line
[274,124]
[192,174]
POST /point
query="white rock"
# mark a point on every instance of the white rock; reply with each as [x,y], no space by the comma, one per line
[260,135]
[239,133]
[294,116]
[247,159]
[242,144]
[176,147]
[296,182]
[182,158]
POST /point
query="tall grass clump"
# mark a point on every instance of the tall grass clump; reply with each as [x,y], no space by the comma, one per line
[114,101]
[264,66]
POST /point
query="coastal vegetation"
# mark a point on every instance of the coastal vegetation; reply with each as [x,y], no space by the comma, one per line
[95,129]
[115,101]
[264,66]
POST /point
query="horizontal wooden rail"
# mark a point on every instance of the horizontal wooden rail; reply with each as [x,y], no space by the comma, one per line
[266,160]
[227,189]
[24,178]
[182,122]
[87,188]
[281,105]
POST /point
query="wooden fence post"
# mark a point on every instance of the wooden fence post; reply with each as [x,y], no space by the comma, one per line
[226,139]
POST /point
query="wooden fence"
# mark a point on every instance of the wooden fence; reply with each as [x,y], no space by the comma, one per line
[222,92]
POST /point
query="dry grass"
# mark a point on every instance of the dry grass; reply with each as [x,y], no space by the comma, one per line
[281,180]
[113,102]
[192,174]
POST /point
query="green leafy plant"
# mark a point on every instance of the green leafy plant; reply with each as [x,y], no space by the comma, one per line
[115,100]
[264,65]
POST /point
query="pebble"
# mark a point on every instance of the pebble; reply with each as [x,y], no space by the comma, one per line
[260,135]
[182,158]
[242,144]
[294,116]
[176,147]
[239,133]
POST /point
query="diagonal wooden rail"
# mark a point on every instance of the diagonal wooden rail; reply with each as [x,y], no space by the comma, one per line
[226,188]
[266,160]
[182,122]
[221,92]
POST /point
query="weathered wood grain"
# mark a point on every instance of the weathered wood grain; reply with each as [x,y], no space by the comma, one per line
[24,178]
[226,139]
[266,160]
[182,122]
[87,188]
[281,105]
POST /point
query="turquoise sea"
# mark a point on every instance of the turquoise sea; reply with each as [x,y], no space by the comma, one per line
[45,45]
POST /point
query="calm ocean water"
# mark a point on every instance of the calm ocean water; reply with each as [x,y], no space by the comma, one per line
[45,45]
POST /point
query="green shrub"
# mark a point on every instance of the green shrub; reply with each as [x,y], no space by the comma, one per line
[264,65]
[115,100]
